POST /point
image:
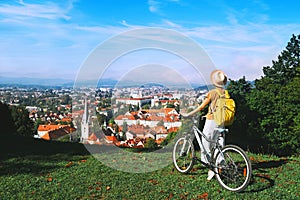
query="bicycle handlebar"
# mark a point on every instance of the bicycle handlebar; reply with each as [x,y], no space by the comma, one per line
[193,117]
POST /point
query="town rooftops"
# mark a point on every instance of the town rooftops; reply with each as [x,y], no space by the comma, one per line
[50,127]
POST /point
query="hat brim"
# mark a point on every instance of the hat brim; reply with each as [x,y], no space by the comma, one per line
[214,81]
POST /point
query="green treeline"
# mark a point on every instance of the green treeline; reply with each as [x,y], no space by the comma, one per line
[268,111]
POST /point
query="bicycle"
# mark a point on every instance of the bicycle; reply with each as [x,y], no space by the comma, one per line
[230,163]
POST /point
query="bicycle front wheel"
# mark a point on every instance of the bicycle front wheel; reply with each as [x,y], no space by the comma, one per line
[233,168]
[183,155]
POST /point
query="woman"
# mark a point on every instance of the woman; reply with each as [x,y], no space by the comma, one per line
[219,80]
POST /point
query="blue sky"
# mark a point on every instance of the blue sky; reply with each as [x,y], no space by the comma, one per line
[52,39]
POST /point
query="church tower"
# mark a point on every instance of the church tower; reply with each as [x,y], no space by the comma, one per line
[85,123]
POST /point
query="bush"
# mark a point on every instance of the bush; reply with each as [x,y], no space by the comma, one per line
[15,119]
[150,144]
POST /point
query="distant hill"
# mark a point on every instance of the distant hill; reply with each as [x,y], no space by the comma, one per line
[35,81]
[26,81]
[203,87]
[110,83]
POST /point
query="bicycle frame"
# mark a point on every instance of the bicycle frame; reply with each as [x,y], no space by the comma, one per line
[216,146]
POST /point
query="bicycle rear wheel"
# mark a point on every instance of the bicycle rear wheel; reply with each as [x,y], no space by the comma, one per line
[183,155]
[233,168]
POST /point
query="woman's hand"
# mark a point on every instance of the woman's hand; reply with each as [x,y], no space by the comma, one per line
[184,115]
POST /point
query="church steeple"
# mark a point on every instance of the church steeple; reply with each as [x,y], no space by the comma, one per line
[85,123]
[85,116]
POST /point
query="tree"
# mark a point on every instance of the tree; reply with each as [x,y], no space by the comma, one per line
[15,120]
[238,91]
[146,107]
[7,124]
[287,66]
[66,99]
[170,105]
[22,123]
[124,127]
[101,118]
[276,99]
[243,130]
[170,137]
[37,123]
[150,144]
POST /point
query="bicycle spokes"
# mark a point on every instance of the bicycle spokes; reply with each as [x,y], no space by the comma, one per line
[234,170]
[183,155]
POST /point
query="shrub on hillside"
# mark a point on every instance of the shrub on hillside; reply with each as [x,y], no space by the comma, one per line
[15,120]
[150,144]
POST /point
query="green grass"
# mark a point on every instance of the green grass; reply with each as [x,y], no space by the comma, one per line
[34,169]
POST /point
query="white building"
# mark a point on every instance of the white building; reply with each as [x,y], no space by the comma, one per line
[134,101]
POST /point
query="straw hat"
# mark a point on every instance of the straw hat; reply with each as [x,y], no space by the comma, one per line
[218,78]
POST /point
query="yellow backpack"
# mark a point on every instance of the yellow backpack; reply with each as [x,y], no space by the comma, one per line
[224,109]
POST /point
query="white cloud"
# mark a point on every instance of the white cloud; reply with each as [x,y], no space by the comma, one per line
[47,10]
[232,18]
[157,6]
[171,24]
[107,30]
[154,6]
[240,48]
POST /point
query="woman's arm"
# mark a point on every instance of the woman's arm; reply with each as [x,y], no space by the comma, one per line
[199,108]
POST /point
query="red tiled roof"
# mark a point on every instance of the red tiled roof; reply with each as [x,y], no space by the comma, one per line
[78,112]
[69,129]
[160,129]
[111,138]
[160,140]
[93,137]
[46,136]
[137,129]
[65,119]
[142,98]
[156,118]
[168,95]
[170,111]
[50,127]
[121,117]
[173,129]
[55,134]
[171,118]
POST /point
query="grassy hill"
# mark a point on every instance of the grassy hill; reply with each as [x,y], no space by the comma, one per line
[35,169]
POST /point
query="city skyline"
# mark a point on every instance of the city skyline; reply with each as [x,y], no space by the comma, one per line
[53,39]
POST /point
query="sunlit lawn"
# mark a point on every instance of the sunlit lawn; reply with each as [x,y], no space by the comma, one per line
[62,175]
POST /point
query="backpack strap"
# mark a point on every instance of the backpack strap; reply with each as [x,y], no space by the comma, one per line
[220,95]
[224,95]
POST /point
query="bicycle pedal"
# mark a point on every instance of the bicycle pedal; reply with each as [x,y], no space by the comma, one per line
[222,130]
[181,154]
[211,174]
